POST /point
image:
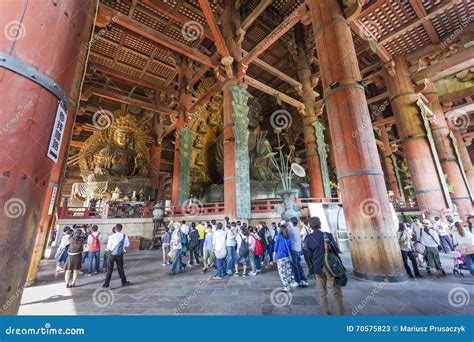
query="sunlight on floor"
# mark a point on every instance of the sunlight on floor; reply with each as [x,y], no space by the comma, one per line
[47,300]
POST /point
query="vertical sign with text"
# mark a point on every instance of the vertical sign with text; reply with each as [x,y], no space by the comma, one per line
[57,133]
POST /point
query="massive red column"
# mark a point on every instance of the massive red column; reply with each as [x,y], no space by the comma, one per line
[444,145]
[465,158]
[374,246]
[423,172]
[312,157]
[389,167]
[185,74]
[46,36]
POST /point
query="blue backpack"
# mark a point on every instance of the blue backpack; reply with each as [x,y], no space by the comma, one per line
[118,250]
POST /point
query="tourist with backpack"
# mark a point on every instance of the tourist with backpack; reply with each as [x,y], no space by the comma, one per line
[231,245]
[305,231]
[116,247]
[74,259]
[327,266]
[255,252]
[219,247]
[283,258]
[93,245]
[243,250]
[177,250]
[295,237]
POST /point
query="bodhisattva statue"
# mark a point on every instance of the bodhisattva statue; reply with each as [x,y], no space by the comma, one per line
[117,156]
[118,153]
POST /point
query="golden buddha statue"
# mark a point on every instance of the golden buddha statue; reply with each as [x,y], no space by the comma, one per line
[117,152]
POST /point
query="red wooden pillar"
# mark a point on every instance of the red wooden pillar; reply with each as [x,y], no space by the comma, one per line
[374,246]
[46,36]
[465,158]
[389,167]
[185,74]
[447,155]
[426,182]
[312,156]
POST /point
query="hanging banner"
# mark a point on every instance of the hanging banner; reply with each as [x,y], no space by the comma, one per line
[57,133]
[53,199]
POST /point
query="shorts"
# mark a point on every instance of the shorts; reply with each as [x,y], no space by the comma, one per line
[244,260]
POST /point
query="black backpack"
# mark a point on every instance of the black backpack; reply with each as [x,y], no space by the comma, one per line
[244,248]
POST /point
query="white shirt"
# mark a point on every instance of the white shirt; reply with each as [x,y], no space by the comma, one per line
[230,237]
[64,241]
[441,228]
[219,243]
[426,239]
[467,239]
[115,239]
[175,240]
[185,229]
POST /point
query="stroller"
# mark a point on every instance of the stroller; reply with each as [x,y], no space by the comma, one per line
[459,264]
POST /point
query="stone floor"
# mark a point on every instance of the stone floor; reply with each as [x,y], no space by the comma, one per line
[154,292]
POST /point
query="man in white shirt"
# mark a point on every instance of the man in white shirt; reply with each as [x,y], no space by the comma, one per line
[219,248]
[429,238]
[116,248]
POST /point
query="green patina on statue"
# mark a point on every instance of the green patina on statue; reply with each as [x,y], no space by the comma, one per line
[240,111]
[186,136]
[323,156]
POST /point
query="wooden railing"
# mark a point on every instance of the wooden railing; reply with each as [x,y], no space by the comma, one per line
[80,213]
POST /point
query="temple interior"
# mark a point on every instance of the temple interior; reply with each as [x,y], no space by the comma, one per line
[257,110]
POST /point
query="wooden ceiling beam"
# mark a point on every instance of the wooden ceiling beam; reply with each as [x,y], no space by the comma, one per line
[273,92]
[446,4]
[132,79]
[255,14]
[216,33]
[427,25]
[364,33]
[458,95]
[370,8]
[447,66]
[168,11]
[155,36]
[278,32]
[106,94]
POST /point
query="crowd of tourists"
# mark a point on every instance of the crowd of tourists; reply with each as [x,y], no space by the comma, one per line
[422,242]
[240,250]
[84,242]
[237,249]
